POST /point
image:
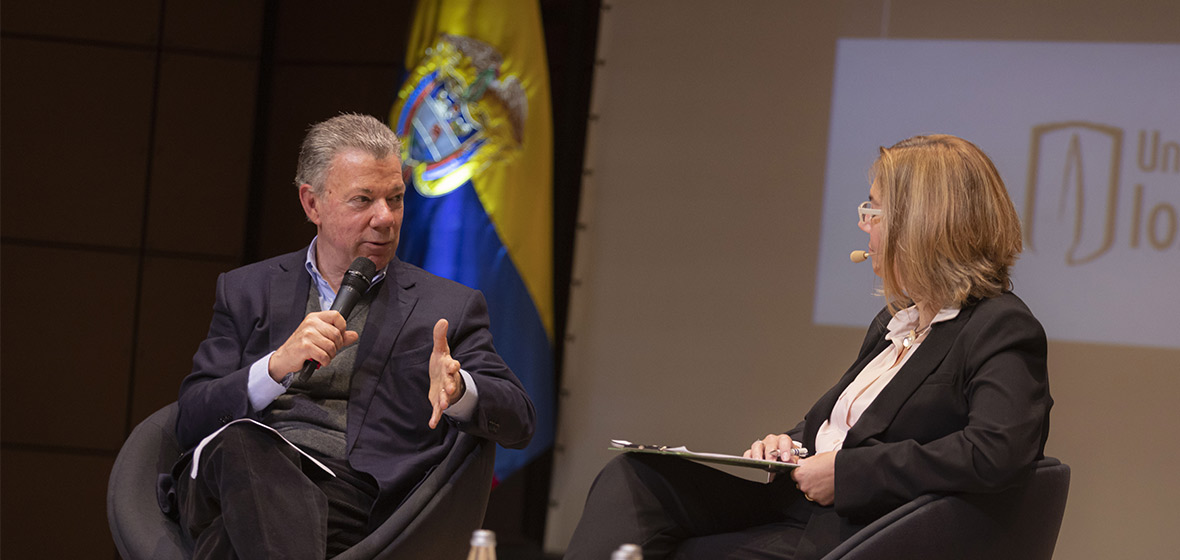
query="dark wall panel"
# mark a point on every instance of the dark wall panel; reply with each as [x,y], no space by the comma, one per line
[67,353]
[201,158]
[175,310]
[75,142]
[130,22]
[328,33]
[223,26]
[54,506]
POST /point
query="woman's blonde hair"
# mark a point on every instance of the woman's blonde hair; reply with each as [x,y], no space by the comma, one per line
[949,231]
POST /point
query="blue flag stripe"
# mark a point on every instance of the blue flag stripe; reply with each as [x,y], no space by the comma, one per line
[452,236]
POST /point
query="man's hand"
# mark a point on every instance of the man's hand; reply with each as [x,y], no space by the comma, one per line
[446,383]
[319,337]
[816,478]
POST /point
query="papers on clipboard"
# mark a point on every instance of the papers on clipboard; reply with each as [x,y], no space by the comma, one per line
[718,458]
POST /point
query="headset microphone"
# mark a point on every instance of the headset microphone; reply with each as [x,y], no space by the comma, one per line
[859,256]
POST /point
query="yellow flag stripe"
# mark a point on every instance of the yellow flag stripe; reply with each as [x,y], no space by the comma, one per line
[517,194]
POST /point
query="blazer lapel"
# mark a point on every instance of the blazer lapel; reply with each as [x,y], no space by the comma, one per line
[884,408]
[823,408]
[287,306]
[387,315]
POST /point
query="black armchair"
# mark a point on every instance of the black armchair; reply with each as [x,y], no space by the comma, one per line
[435,521]
[1020,523]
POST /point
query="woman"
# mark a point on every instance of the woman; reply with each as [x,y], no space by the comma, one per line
[949,392]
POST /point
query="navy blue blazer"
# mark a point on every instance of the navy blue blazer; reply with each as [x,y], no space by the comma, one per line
[258,307]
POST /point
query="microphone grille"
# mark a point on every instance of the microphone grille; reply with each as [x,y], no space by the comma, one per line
[360,274]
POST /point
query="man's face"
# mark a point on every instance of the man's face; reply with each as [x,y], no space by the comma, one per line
[359,213]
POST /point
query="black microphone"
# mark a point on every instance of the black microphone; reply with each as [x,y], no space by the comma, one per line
[354,285]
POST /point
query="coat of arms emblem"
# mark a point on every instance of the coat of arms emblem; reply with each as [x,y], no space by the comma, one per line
[457,114]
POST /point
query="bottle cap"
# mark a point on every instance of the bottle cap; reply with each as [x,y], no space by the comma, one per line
[483,537]
[628,552]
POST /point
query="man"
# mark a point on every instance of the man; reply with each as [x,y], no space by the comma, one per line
[411,366]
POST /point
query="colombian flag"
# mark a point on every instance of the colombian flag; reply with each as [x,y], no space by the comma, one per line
[474,119]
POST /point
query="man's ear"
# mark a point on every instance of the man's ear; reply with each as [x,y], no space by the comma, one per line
[310,203]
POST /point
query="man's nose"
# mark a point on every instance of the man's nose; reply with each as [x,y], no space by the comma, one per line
[383,214]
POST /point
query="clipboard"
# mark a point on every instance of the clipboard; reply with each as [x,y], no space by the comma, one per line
[718,458]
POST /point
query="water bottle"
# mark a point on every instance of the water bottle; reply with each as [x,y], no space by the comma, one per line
[628,552]
[483,545]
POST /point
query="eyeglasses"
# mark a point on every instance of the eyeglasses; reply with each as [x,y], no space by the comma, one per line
[865,210]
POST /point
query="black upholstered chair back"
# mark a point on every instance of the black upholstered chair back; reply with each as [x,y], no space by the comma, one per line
[1020,523]
[435,521]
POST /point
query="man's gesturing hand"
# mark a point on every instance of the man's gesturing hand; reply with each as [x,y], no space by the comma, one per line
[446,383]
[319,337]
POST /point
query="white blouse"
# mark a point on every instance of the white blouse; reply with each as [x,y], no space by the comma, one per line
[875,376]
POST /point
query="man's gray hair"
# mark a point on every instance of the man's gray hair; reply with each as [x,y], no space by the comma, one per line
[347,131]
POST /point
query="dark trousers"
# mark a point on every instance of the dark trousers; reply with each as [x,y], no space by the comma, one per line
[675,508]
[256,497]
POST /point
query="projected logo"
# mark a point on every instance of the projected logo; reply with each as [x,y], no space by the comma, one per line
[456,114]
[1072,203]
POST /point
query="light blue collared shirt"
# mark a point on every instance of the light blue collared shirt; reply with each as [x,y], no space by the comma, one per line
[262,389]
[327,294]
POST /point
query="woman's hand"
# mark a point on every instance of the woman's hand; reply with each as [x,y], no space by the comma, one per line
[772,448]
[816,478]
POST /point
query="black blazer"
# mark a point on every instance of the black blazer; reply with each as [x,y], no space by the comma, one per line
[258,306]
[969,411]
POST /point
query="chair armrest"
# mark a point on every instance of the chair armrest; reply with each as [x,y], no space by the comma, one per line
[139,528]
[437,518]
